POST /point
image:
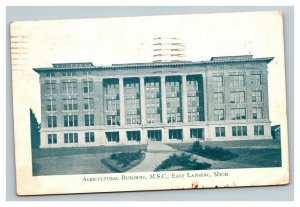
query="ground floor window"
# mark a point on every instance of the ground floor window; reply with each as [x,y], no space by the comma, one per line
[89,137]
[133,136]
[175,134]
[112,136]
[239,131]
[196,133]
[259,130]
[154,135]
[52,139]
[220,131]
[71,138]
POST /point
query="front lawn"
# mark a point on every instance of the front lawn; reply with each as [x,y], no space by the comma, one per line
[258,157]
[76,160]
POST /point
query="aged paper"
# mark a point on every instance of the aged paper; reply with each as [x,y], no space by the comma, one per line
[149,103]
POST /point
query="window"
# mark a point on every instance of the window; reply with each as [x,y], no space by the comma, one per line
[70,104]
[153,117]
[175,134]
[51,105]
[133,136]
[69,87]
[50,74]
[50,87]
[112,136]
[88,72]
[237,80]
[218,81]
[220,131]
[256,96]
[193,116]
[113,104]
[257,113]
[111,88]
[52,121]
[218,97]
[256,79]
[239,131]
[89,137]
[69,73]
[174,117]
[173,99]
[89,120]
[238,113]
[154,135]
[133,119]
[88,103]
[237,97]
[71,138]
[219,114]
[112,120]
[88,86]
[259,130]
[70,120]
[52,139]
[196,133]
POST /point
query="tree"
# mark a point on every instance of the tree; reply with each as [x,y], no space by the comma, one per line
[34,131]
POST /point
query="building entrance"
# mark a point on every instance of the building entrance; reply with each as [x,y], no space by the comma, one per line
[154,135]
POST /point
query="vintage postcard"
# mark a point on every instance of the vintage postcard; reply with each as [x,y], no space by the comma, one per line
[149,103]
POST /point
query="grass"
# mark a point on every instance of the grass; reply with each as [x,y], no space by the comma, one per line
[214,153]
[183,161]
[81,160]
[122,162]
[258,157]
[70,164]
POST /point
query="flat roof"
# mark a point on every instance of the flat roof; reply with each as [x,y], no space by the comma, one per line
[213,60]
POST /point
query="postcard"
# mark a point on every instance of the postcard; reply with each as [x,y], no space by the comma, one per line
[149,103]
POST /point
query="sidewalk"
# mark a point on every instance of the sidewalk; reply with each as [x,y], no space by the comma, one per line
[156,153]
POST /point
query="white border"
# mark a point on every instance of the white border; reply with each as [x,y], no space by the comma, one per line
[189,2]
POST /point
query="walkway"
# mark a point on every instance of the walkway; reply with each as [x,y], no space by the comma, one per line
[156,153]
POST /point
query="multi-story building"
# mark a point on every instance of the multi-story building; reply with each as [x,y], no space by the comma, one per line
[225,98]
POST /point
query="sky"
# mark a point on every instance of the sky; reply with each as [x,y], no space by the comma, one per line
[107,41]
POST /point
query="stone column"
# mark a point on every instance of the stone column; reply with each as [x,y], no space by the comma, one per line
[184,99]
[142,100]
[121,99]
[205,106]
[163,99]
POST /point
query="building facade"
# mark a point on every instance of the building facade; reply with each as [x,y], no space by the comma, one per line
[225,98]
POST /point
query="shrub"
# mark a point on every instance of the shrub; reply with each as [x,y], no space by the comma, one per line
[125,158]
[214,153]
[185,161]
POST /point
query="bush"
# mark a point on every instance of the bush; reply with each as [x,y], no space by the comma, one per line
[125,158]
[185,161]
[214,153]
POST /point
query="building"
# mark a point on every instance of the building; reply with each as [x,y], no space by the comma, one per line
[225,98]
